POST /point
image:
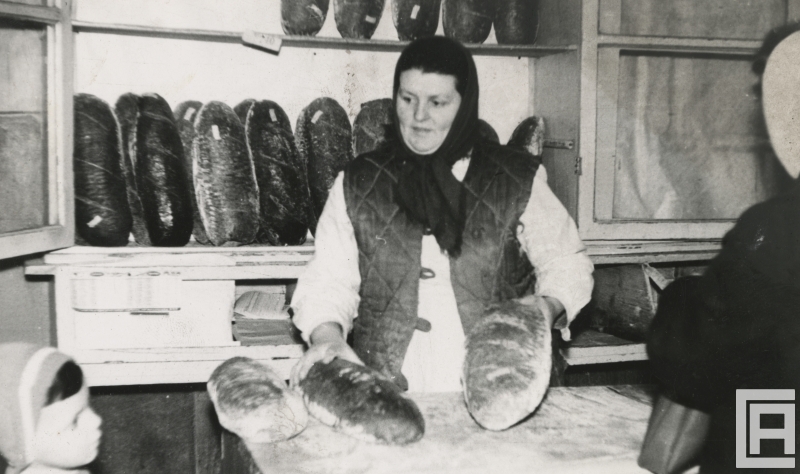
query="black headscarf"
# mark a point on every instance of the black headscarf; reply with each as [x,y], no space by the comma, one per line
[427,190]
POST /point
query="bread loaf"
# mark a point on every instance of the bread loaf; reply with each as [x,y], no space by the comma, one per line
[224,177]
[324,140]
[359,402]
[160,174]
[468,21]
[242,108]
[370,125]
[415,18]
[487,131]
[254,403]
[507,364]
[303,17]
[516,21]
[529,136]
[185,114]
[281,175]
[127,111]
[357,18]
[102,214]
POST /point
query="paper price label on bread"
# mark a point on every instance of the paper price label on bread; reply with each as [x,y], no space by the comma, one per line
[263,40]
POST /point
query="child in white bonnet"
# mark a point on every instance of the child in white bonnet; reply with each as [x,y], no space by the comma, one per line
[46,423]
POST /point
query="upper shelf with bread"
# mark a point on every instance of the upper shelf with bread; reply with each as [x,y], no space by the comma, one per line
[505,28]
[273,42]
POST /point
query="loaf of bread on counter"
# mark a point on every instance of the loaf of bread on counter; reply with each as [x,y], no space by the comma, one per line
[254,403]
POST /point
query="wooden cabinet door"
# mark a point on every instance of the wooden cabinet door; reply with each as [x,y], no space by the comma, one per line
[36,198]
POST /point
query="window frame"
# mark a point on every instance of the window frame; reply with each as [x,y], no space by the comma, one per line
[60,230]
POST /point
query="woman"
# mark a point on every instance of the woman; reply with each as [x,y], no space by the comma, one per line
[419,235]
[737,326]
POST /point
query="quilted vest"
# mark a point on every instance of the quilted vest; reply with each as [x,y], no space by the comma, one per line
[491,267]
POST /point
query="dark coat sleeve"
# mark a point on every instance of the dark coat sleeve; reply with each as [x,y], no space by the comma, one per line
[736,326]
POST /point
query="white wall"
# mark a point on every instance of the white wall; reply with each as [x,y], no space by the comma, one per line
[111,65]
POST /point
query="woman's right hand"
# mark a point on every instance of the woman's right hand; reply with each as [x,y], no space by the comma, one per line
[327,343]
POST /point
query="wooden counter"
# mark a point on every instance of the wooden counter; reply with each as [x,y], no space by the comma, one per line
[575,430]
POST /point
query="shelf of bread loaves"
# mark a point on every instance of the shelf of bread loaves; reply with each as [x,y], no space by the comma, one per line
[508,27]
[148,175]
[274,42]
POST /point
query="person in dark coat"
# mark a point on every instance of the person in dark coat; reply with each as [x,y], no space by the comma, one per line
[738,325]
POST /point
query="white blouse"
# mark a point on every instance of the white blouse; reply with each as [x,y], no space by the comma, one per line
[328,289]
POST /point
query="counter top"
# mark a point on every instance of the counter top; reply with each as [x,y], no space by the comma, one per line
[575,430]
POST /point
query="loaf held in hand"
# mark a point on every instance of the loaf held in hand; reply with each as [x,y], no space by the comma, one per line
[507,364]
[254,403]
[356,400]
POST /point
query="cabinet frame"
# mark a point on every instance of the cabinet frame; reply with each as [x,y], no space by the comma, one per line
[599,69]
[60,230]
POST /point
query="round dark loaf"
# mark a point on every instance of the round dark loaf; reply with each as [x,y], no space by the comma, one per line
[102,214]
[253,402]
[487,131]
[516,21]
[185,114]
[529,136]
[127,110]
[277,117]
[281,175]
[303,17]
[324,140]
[370,125]
[468,21]
[224,177]
[507,364]
[415,18]
[242,108]
[160,175]
[357,18]
[356,400]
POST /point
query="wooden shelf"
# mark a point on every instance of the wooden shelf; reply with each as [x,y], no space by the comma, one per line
[669,44]
[593,347]
[193,262]
[106,367]
[531,51]
[651,251]
[264,262]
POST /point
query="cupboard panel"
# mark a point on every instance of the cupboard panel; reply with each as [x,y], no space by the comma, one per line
[23,67]
[680,137]
[24,174]
[722,19]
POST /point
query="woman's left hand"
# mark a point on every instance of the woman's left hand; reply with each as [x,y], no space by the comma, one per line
[553,311]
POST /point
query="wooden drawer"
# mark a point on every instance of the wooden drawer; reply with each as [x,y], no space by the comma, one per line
[117,310]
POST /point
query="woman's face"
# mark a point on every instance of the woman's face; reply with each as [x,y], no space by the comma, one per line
[427,104]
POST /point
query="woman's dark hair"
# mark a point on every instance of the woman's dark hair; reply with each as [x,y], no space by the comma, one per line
[435,54]
[771,41]
[68,381]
